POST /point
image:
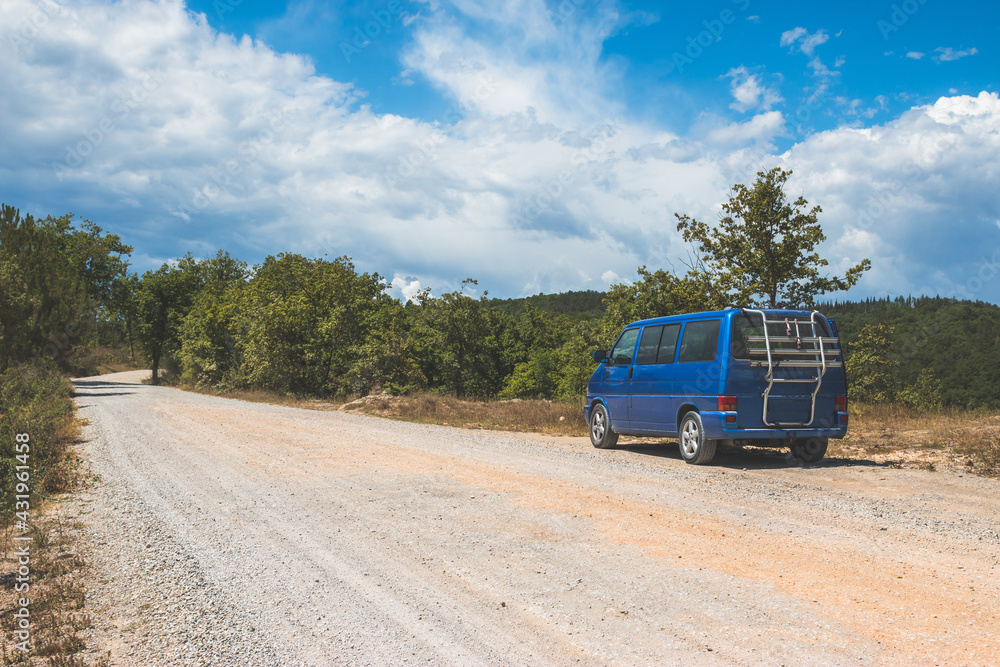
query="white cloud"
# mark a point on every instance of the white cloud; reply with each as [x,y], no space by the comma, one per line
[759,130]
[947,54]
[524,189]
[914,195]
[610,277]
[915,55]
[748,91]
[407,288]
[800,38]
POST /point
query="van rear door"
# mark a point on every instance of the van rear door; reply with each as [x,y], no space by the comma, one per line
[789,401]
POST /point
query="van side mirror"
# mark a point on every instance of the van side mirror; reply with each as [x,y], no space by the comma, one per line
[600,356]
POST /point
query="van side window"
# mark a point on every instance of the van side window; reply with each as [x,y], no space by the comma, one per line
[668,344]
[649,345]
[701,341]
[621,353]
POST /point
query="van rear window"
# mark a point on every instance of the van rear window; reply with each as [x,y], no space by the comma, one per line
[700,341]
[750,324]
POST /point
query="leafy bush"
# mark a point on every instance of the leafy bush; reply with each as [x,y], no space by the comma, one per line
[34,400]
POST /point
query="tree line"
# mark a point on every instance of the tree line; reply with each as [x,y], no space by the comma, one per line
[321,327]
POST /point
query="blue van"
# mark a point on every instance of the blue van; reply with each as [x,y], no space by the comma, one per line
[769,378]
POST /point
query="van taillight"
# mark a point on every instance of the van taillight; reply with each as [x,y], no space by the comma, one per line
[841,403]
[727,403]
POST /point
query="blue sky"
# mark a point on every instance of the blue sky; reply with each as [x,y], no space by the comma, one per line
[536,146]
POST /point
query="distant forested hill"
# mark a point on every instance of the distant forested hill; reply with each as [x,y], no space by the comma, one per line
[958,340]
[576,305]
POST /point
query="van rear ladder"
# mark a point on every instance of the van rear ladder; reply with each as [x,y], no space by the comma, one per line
[810,351]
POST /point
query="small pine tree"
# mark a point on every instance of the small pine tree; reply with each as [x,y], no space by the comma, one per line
[870,366]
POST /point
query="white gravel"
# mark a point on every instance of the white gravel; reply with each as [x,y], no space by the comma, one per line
[232,533]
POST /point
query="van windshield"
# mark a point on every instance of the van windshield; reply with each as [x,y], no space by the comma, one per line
[750,324]
[621,353]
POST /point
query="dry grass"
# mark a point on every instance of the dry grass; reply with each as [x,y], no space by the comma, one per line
[57,594]
[901,436]
[533,416]
[530,416]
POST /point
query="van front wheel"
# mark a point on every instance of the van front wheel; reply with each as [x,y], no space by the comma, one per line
[601,435]
[695,449]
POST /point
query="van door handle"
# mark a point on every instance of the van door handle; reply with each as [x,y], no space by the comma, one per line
[630,369]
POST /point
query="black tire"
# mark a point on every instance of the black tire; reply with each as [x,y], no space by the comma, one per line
[695,449]
[601,435]
[810,450]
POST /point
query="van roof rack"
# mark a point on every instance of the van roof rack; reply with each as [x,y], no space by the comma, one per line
[810,351]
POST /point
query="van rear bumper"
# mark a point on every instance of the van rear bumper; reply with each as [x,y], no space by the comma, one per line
[716,428]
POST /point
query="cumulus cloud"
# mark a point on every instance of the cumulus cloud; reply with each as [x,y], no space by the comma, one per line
[915,192]
[179,137]
[749,92]
[801,39]
[915,55]
[947,54]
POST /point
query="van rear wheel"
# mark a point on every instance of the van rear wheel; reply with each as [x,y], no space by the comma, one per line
[695,449]
[601,435]
[810,450]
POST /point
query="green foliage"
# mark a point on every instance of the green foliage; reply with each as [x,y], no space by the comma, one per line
[42,294]
[924,394]
[957,341]
[762,252]
[458,343]
[303,326]
[164,298]
[870,367]
[656,294]
[34,399]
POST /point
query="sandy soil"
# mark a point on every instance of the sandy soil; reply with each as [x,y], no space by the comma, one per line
[227,532]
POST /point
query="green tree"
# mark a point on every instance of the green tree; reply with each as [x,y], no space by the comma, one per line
[210,351]
[302,322]
[924,394]
[43,295]
[458,342]
[656,294]
[870,367]
[762,252]
[163,301]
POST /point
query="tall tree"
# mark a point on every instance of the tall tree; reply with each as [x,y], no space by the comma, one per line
[762,252]
[164,299]
[656,294]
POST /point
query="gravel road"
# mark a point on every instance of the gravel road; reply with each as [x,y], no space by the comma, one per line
[231,533]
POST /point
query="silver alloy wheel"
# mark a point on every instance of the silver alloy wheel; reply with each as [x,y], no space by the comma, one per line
[689,438]
[597,426]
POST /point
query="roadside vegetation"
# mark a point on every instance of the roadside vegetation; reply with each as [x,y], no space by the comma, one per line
[60,282]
